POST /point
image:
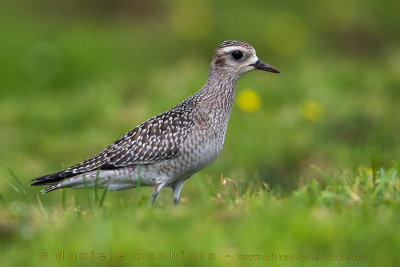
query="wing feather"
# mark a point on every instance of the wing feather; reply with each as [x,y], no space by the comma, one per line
[155,140]
[147,143]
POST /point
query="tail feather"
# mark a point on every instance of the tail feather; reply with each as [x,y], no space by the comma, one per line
[51,179]
[48,189]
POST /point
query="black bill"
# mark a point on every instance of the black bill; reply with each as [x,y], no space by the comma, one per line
[259,65]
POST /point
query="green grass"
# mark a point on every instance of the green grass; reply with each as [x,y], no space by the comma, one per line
[349,214]
[316,166]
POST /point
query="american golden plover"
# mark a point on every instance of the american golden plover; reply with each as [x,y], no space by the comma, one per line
[169,148]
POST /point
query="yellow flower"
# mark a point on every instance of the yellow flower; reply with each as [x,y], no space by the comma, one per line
[367,171]
[311,110]
[249,100]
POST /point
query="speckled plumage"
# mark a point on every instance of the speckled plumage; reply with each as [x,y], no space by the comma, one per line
[170,147]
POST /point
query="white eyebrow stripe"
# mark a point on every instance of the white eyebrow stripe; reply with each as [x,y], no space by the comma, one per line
[229,49]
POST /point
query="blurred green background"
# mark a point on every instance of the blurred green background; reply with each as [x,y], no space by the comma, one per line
[76,75]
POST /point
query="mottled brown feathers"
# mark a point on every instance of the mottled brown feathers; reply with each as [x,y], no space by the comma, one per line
[234,43]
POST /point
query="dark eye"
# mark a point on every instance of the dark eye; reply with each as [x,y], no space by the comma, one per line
[237,54]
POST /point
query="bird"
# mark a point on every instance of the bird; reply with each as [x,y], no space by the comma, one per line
[169,148]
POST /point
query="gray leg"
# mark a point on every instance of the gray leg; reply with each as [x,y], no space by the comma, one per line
[156,190]
[176,187]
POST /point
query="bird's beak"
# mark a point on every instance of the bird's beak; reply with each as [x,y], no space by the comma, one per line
[259,65]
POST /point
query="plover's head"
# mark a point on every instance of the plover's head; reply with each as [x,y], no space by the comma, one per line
[235,58]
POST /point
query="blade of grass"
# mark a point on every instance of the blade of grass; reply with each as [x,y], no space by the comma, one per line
[138,184]
[324,175]
[76,198]
[63,199]
[86,193]
[383,181]
[96,197]
[18,187]
[42,208]
[223,183]
[103,197]
[85,182]
[2,199]
[18,181]
[374,164]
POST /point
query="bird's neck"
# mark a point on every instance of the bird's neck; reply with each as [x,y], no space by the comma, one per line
[220,90]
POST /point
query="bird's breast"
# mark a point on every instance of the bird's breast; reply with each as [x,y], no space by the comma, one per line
[203,145]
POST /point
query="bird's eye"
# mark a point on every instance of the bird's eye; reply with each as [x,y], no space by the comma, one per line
[237,54]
